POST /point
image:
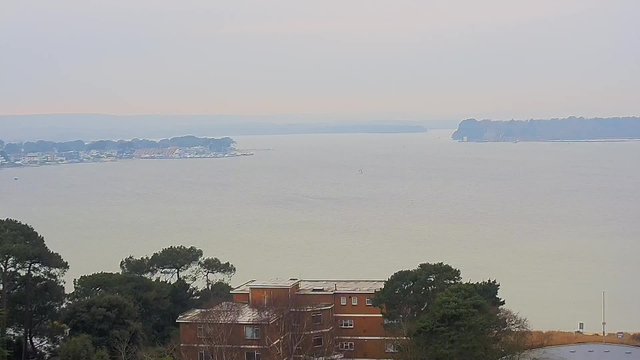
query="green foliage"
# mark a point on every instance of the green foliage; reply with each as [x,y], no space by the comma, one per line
[445,319]
[152,299]
[77,348]
[459,325]
[182,297]
[214,294]
[489,291]
[47,297]
[125,343]
[102,354]
[155,303]
[102,317]
[171,262]
[23,249]
[29,270]
[4,352]
[155,353]
[131,265]
[409,293]
[80,348]
[175,260]
[212,267]
[108,315]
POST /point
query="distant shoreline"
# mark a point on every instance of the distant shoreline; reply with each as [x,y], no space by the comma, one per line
[569,129]
[557,141]
[6,167]
[46,153]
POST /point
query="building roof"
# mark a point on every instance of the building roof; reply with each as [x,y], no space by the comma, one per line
[163,152]
[227,312]
[585,352]
[274,283]
[315,286]
[337,286]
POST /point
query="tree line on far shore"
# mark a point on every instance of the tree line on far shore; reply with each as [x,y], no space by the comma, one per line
[571,128]
[131,314]
[43,146]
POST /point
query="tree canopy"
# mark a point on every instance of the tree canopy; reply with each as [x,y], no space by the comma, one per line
[459,325]
[101,317]
[81,348]
[171,262]
[129,315]
[175,260]
[409,293]
[571,128]
[28,269]
[443,318]
[131,265]
[212,268]
[151,298]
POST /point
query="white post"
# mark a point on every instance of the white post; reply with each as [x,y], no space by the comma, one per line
[604,323]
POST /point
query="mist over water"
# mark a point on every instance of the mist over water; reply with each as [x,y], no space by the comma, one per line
[555,223]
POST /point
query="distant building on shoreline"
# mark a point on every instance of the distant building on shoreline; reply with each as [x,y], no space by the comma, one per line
[168,152]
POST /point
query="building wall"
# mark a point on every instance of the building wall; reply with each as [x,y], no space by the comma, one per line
[189,334]
[191,353]
[366,349]
[313,299]
[368,334]
[362,326]
[293,289]
[349,308]
[273,296]
[241,297]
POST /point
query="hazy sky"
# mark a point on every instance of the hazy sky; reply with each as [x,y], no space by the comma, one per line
[422,59]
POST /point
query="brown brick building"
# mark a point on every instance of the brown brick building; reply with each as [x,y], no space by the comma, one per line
[278,320]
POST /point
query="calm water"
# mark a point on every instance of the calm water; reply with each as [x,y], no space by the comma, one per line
[555,223]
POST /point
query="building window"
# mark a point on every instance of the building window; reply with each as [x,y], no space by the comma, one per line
[369,302]
[347,346]
[201,355]
[354,301]
[343,300]
[200,331]
[391,347]
[317,341]
[251,332]
[316,318]
[252,355]
[295,321]
[346,324]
